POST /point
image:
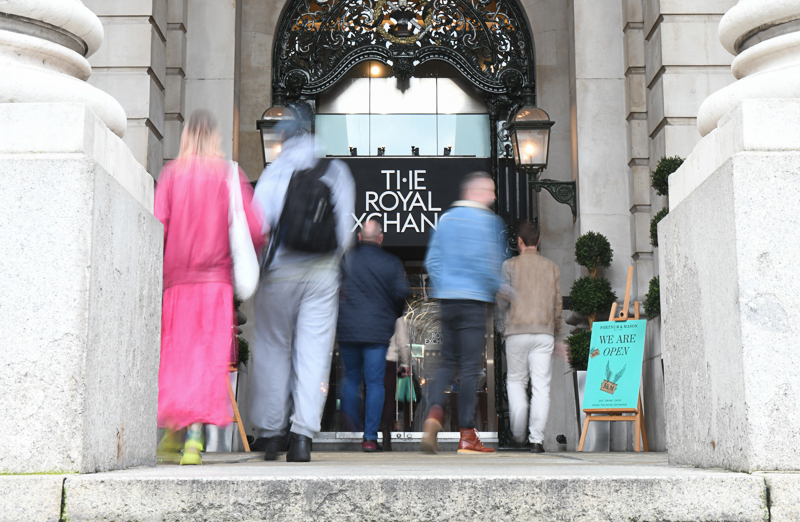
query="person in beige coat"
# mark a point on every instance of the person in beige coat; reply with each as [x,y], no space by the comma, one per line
[532,318]
[398,364]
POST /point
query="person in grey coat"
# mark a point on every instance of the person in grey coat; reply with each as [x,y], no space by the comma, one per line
[296,306]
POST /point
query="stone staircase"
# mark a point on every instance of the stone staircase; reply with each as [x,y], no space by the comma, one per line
[403,486]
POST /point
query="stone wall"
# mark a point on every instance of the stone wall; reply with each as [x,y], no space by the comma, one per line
[673,62]
[549,22]
[81,295]
[131,66]
[163,59]
[639,191]
[730,299]
[210,63]
[175,89]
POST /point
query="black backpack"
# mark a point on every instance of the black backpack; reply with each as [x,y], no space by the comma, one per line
[307,222]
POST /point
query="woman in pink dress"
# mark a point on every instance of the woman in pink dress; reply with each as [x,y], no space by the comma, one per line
[197,320]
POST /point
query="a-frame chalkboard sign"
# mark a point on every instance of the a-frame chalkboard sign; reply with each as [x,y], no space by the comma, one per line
[610,393]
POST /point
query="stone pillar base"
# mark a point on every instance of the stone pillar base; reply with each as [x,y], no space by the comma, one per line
[730,294]
[80,304]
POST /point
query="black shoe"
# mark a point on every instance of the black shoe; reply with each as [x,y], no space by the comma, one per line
[387,441]
[299,448]
[537,447]
[274,445]
[513,444]
[260,444]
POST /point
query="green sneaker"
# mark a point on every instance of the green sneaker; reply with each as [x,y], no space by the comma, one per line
[193,447]
[169,449]
[191,454]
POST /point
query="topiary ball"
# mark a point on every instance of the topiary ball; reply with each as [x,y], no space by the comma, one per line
[579,347]
[660,176]
[652,301]
[654,225]
[593,250]
[589,296]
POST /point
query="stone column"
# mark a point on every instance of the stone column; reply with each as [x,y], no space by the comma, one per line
[211,63]
[80,298]
[599,156]
[259,23]
[728,258]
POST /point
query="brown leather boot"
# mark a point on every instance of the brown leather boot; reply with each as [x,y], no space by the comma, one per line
[471,443]
[433,425]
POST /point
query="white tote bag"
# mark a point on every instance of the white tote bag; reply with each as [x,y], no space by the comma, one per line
[243,254]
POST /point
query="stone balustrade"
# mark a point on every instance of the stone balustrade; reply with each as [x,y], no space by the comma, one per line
[43,51]
[765,37]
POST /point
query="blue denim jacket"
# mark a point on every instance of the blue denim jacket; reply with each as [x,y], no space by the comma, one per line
[466,253]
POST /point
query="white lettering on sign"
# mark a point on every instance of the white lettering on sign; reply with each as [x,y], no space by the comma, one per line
[418,180]
[406,192]
[384,205]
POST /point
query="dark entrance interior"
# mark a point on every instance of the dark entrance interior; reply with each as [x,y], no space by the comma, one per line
[410,91]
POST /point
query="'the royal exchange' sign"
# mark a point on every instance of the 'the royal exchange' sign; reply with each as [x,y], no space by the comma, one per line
[407,195]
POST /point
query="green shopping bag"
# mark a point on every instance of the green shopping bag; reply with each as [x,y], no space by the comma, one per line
[405,390]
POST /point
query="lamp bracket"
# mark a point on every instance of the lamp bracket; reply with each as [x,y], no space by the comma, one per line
[562,191]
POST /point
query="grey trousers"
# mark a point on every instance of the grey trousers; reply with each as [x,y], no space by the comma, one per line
[295,327]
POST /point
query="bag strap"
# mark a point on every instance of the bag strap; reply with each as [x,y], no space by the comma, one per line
[233,178]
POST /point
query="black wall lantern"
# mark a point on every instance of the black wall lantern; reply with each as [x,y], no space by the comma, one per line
[529,131]
[530,137]
[271,138]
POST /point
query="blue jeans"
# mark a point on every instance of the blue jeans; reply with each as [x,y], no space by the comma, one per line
[463,337]
[365,362]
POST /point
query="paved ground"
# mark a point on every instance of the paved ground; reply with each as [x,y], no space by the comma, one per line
[403,464]
[405,486]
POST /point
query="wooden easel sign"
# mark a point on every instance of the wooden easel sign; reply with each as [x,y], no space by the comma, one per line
[615,365]
[615,371]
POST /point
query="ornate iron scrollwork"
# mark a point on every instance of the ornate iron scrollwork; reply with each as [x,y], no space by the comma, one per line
[562,191]
[487,41]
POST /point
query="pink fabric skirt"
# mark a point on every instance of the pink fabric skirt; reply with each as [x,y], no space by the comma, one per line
[196,347]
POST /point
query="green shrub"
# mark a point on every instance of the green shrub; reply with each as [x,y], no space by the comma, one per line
[579,345]
[654,225]
[244,350]
[593,250]
[652,301]
[589,296]
[660,177]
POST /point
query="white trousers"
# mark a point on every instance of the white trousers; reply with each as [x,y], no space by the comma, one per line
[528,357]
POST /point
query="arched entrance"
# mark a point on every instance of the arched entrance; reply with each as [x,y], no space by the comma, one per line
[484,49]
[488,42]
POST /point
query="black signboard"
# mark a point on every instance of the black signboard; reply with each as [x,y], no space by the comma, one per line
[407,195]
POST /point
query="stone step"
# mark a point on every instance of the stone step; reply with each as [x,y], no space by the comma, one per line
[400,486]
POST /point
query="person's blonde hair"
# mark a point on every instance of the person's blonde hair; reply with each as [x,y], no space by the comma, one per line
[200,136]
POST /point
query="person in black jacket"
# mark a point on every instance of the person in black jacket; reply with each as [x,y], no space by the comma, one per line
[374,290]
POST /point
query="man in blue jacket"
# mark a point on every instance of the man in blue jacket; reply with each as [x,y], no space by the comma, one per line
[374,290]
[464,260]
